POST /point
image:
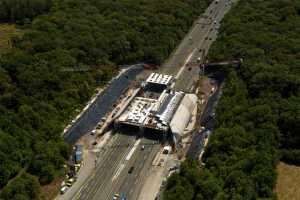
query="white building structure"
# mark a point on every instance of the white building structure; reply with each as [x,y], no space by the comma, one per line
[166,112]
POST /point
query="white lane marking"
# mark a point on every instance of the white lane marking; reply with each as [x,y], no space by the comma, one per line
[118,172]
[186,61]
[133,149]
[129,155]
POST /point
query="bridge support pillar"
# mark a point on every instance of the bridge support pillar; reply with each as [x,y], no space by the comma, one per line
[116,125]
[141,130]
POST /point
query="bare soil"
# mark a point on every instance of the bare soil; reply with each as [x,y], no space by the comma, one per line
[288,182]
[50,191]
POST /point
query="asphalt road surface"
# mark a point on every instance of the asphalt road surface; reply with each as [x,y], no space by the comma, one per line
[111,175]
[203,35]
[112,172]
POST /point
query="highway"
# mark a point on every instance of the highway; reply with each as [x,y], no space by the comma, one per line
[200,37]
[112,175]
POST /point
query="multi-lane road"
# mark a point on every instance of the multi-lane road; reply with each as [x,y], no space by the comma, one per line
[112,175]
[122,165]
[198,39]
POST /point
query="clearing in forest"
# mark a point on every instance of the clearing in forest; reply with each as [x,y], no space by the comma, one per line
[288,182]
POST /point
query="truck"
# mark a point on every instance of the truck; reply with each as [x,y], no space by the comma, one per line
[78,156]
[78,153]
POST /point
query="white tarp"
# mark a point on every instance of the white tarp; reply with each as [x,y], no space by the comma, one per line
[183,114]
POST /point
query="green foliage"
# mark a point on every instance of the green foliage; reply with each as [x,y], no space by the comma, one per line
[191,183]
[291,156]
[22,11]
[23,187]
[258,113]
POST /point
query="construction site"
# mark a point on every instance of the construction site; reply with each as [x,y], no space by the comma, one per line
[157,111]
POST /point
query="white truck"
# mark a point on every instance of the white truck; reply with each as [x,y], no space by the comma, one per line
[167,149]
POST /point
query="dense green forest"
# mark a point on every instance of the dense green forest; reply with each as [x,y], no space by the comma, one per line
[37,96]
[22,11]
[258,116]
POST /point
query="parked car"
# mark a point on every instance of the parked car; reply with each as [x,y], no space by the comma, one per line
[64,189]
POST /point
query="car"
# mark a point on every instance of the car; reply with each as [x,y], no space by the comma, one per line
[64,189]
[130,170]
[68,184]
[143,147]
[116,196]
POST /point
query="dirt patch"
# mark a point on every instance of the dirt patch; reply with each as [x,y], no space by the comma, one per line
[51,190]
[288,182]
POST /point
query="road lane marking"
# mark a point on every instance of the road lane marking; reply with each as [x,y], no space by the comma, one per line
[118,172]
[110,188]
[184,65]
[133,149]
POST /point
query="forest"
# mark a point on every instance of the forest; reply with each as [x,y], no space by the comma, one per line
[38,97]
[258,115]
[22,11]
